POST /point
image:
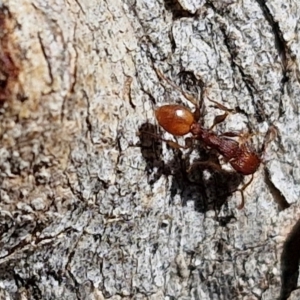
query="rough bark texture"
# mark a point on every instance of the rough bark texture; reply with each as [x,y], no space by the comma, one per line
[91,206]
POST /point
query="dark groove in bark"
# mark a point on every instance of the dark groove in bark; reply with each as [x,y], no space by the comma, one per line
[290,259]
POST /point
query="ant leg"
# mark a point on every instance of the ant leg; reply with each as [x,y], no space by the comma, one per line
[220,118]
[243,136]
[241,206]
[207,163]
[186,95]
[237,133]
[270,136]
[175,145]
[220,106]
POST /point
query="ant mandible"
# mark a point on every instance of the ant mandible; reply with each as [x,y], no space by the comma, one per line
[179,120]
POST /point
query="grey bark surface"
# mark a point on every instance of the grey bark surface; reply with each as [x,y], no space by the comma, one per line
[91,207]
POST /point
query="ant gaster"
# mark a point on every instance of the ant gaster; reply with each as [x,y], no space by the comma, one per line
[179,120]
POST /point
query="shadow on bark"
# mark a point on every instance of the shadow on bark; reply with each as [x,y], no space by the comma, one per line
[201,182]
[177,11]
[290,259]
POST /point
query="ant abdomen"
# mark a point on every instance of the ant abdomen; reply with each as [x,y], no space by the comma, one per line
[175,119]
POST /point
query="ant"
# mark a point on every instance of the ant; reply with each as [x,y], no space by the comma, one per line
[179,120]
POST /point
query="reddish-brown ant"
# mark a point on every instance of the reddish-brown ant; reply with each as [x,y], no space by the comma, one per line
[179,120]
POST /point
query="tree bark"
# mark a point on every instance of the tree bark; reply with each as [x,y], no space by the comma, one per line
[92,206]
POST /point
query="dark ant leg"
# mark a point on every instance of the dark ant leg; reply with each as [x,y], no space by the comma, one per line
[241,206]
[270,136]
[175,145]
[231,134]
[207,163]
[186,95]
[220,106]
[220,118]
[243,137]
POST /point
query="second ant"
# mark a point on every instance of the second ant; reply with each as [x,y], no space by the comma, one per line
[179,120]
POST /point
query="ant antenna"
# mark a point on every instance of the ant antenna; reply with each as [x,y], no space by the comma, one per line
[241,206]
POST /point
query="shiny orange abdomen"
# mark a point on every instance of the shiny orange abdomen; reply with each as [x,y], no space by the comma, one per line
[175,119]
